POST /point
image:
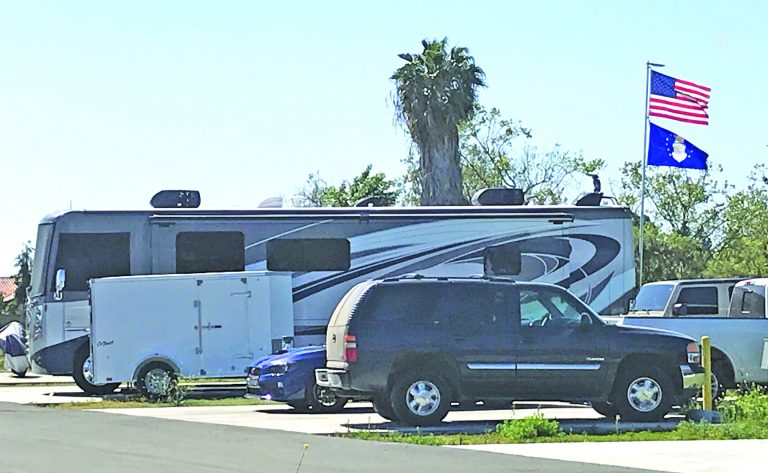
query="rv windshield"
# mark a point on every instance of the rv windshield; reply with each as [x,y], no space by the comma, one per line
[39,267]
[652,297]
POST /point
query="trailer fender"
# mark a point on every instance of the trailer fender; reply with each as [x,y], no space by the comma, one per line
[159,358]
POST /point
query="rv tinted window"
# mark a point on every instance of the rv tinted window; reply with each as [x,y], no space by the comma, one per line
[86,256]
[210,252]
[700,300]
[308,254]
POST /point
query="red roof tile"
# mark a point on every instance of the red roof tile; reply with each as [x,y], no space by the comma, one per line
[7,288]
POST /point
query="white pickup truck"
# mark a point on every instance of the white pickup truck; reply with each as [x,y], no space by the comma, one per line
[698,307]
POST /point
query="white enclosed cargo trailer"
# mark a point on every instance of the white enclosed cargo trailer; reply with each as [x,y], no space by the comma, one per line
[145,329]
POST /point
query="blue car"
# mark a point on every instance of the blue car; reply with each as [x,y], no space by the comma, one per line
[289,377]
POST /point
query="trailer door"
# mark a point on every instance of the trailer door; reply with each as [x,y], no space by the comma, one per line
[223,332]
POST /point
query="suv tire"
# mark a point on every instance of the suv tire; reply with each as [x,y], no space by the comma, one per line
[420,398]
[382,405]
[605,409]
[643,394]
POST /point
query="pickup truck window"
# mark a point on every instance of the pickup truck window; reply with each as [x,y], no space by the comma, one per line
[652,297]
[752,305]
[700,300]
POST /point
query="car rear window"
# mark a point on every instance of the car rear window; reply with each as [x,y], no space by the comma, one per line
[349,304]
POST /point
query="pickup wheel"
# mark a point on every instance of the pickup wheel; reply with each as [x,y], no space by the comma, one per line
[605,409]
[83,374]
[643,394]
[720,375]
[322,400]
[420,398]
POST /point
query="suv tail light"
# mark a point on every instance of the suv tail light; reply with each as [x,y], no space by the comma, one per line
[694,354]
[350,348]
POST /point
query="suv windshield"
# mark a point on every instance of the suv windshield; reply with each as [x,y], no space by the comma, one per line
[652,297]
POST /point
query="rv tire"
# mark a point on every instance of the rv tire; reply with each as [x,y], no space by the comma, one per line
[81,374]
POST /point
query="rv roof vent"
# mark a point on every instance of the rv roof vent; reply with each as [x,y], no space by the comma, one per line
[371,202]
[275,202]
[175,199]
[499,196]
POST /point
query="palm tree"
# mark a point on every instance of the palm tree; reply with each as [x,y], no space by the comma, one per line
[435,92]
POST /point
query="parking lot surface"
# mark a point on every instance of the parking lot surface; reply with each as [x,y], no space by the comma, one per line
[696,456]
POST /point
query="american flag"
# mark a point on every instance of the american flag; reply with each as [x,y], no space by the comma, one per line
[678,99]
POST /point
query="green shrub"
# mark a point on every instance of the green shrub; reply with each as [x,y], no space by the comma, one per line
[749,406]
[532,427]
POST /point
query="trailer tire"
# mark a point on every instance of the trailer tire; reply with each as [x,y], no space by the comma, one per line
[81,372]
[155,379]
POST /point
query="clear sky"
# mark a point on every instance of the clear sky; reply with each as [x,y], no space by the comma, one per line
[102,103]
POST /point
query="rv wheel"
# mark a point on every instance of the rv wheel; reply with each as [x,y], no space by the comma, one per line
[83,375]
[155,379]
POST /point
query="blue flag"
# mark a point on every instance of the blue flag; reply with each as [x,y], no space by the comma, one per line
[670,149]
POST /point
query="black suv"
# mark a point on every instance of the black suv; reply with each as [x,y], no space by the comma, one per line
[414,345]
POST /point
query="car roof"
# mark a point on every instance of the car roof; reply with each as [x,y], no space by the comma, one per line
[419,278]
[697,281]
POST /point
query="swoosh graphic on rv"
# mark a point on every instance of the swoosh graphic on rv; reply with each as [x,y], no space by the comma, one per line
[316,286]
[459,249]
[608,250]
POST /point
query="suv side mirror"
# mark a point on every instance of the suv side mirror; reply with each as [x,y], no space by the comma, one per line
[681,308]
[61,280]
[631,304]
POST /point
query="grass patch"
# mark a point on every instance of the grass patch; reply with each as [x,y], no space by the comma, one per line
[138,403]
[745,416]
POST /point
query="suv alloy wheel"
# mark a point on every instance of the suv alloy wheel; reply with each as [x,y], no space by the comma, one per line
[420,398]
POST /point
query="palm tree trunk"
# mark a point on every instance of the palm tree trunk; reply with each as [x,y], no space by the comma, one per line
[441,182]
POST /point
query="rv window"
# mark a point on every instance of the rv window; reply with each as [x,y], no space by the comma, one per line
[209,252]
[308,254]
[86,256]
[700,300]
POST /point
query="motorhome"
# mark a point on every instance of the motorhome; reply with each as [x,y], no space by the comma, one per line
[587,249]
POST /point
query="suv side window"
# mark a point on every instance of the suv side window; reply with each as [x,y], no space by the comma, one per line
[700,300]
[542,306]
[479,309]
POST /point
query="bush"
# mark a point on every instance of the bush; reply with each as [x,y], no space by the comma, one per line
[175,395]
[750,406]
[529,428]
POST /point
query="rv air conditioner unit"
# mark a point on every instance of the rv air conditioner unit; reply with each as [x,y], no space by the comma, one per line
[499,196]
[175,199]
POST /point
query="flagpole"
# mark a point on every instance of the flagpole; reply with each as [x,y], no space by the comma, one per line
[648,66]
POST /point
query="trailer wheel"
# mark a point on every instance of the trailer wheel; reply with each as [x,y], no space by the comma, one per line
[155,379]
[83,375]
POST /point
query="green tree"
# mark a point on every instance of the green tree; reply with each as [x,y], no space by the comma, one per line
[435,92]
[319,194]
[744,250]
[684,211]
[22,279]
[497,152]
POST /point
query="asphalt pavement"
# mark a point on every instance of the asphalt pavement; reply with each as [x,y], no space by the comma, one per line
[44,440]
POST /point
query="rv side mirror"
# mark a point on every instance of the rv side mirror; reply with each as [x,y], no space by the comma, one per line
[502,260]
[681,308]
[287,343]
[61,280]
